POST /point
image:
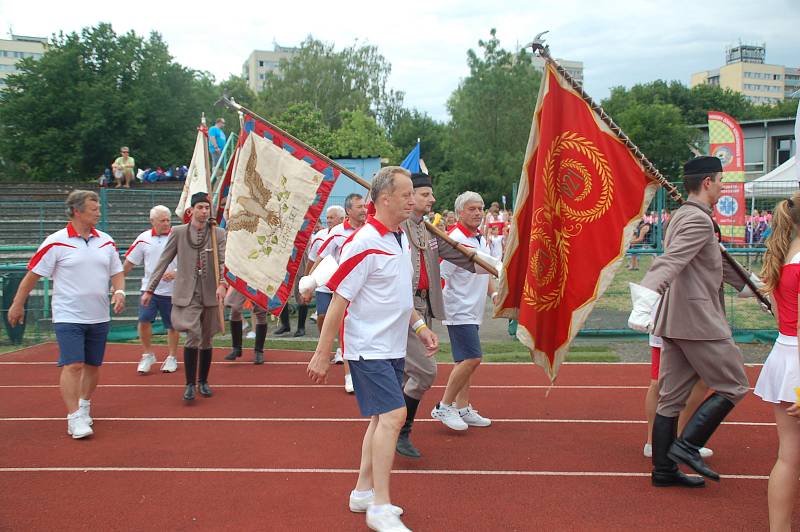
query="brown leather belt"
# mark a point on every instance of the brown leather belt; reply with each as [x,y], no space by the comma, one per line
[421,293]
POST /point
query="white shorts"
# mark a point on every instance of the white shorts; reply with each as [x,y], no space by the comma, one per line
[781,372]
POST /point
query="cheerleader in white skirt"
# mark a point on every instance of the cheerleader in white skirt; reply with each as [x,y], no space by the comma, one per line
[781,372]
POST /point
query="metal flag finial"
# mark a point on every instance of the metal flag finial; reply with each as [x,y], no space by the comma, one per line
[537,44]
[203,118]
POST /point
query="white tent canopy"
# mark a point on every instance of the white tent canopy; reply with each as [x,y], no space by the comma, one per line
[779,183]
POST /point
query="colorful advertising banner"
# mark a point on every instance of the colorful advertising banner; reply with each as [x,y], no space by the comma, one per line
[726,142]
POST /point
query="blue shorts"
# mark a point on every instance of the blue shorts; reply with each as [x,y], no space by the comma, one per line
[81,342]
[323,302]
[378,385]
[465,342]
[160,304]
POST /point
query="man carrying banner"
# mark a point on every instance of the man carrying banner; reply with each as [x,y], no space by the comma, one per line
[236,301]
[197,292]
[426,252]
[373,284]
[686,281]
[146,249]
[356,211]
[464,304]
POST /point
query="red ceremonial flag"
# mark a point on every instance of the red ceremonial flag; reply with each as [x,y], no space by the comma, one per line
[581,195]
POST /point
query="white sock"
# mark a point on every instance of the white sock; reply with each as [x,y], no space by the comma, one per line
[84,403]
[362,494]
[379,508]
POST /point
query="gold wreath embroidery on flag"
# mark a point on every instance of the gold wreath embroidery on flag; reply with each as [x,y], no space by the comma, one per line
[561,219]
[254,208]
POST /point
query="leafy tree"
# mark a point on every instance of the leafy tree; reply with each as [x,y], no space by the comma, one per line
[66,115]
[661,133]
[361,136]
[352,79]
[304,122]
[491,113]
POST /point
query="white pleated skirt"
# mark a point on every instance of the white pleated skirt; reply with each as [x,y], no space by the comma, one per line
[781,372]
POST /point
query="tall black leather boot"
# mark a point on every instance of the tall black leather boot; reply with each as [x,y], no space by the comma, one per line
[404,445]
[302,312]
[284,317]
[261,335]
[190,368]
[236,340]
[665,471]
[697,432]
[205,368]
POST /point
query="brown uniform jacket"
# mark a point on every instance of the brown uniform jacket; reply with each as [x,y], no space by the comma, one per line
[433,249]
[185,275]
[690,274]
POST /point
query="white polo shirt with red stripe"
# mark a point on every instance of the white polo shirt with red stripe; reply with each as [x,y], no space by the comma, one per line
[147,249]
[81,271]
[374,275]
[317,240]
[464,292]
[336,237]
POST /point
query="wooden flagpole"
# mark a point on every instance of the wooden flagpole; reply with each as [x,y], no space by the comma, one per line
[543,51]
[212,226]
[471,254]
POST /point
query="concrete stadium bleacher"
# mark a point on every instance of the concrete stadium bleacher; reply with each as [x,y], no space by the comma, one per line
[31,211]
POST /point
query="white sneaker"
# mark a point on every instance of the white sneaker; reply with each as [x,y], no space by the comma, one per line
[360,505]
[472,418]
[77,427]
[251,335]
[348,383]
[449,416]
[86,413]
[147,361]
[170,365]
[338,358]
[385,522]
[647,451]
[313,317]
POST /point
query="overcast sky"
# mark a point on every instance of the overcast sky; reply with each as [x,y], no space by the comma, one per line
[619,42]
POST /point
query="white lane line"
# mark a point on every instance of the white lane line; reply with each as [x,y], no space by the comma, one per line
[301,471]
[364,420]
[336,386]
[302,363]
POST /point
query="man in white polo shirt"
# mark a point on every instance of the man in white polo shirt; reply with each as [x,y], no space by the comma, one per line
[82,262]
[146,249]
[356,211]
[464,304]
[334,216]
[372,293]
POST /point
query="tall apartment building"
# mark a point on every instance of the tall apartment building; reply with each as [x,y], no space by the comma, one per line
[261,62]
[746,71]
[16,48]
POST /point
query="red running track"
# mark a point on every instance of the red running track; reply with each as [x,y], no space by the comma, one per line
[270,451]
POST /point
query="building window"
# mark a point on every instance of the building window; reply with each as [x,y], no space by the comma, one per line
[261,63]
[262,76]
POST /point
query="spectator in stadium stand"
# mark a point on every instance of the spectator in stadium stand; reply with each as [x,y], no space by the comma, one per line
[449,220]
[146,249]
[373,284]
[123,167]
[197,291]
[82,262]
[780,377]
[216,141]
[465,295]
